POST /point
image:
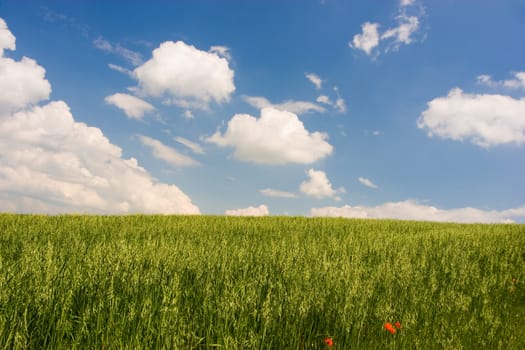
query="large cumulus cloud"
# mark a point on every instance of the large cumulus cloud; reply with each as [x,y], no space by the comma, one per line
[277,137]
[186,76]
[50,163]
[486,120]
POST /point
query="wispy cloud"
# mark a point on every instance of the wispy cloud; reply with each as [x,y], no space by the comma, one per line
[367,182]
[132,57]
[340,104]
[324,99]
[517,83]
[270,192]
[222,51]
[193,146]
[120,69]
[314,78]
[261,210]
[412,210]
[403,34]
[297,107]
[166,153]
[52,16]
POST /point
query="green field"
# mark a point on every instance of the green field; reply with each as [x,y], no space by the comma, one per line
[179,282]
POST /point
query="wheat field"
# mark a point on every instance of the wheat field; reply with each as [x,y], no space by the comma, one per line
[209,282]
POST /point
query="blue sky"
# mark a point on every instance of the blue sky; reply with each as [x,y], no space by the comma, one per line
[401,109]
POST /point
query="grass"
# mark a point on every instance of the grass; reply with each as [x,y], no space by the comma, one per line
[201,282]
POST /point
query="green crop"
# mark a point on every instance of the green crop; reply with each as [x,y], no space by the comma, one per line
[202,282]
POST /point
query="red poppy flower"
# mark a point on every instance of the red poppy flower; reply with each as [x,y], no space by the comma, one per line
[329,342]
[398,325]
[388,327]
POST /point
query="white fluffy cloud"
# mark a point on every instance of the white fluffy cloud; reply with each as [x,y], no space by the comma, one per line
[132,106]
[517,83]
[319,186]
[484,120]
[52,164]
[277,137]
[407,2]
[166,153]
[367,182]
[270,192]
[188,114]
[21,82]
[314,79]
[7,39]
[186,76]
[368,39]
[296,107]
[412,210]
[261,210]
